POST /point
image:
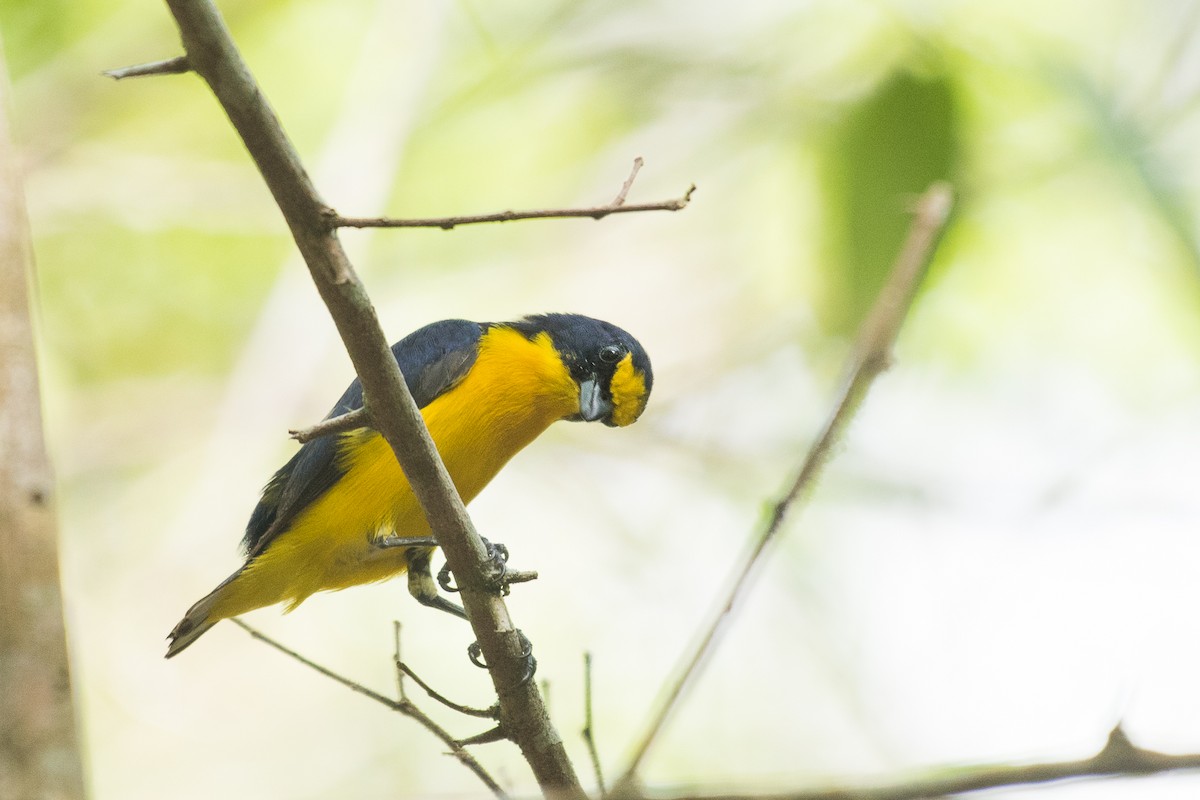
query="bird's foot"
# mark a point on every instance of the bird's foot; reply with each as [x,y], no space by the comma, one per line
[495,571]
[529,666]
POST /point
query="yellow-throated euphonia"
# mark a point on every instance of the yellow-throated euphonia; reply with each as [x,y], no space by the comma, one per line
[338,513]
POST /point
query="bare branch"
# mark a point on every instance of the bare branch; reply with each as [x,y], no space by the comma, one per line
[170,66]
[213,55]
[871,355]
[1118,757]
[403,706]
[351,420]
[448,223]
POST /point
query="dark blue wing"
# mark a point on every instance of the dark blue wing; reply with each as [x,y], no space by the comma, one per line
[433,359]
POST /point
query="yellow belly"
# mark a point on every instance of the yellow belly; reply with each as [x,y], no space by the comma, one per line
[516,390]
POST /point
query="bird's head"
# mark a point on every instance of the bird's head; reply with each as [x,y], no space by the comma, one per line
[609,366]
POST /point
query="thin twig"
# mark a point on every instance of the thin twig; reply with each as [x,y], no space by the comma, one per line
[401,692]
[619,200]
[589,736]
[402,705]
[1118,757]
[171,66]
[448,223]
[351,420]
[871,355]
[328,673]
[482,713]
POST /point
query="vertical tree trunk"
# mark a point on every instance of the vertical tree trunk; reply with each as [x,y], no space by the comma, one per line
[39,751]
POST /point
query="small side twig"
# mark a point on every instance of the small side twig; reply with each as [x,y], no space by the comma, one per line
[490,736]
[520,576]
[617,206]
[170,66]
[619,200]
[482,713]
[403,706]
[870,357]
[589,736]
[358,418]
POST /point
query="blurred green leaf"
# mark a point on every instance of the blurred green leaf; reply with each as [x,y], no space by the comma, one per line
[167,304]
[885,152]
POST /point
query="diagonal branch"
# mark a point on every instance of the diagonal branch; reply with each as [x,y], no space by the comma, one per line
[871,356]
[212,54]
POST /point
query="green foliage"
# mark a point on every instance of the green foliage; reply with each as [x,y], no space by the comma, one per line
[51,25]
[886,150]
[180,308]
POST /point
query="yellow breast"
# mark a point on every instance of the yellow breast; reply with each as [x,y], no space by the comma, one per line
[516,389]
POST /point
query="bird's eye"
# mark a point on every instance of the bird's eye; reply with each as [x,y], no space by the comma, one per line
[611,354]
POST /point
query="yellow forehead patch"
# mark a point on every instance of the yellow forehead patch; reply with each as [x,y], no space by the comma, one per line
[628,389]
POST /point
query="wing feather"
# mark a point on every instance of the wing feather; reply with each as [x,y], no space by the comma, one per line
[433,360]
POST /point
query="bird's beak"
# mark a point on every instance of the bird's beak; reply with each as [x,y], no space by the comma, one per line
[591,405]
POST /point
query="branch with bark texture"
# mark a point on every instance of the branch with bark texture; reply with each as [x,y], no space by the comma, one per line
[212,54]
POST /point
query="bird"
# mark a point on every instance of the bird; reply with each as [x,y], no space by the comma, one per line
[340,512]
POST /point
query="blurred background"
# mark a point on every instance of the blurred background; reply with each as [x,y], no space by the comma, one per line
[999,564]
